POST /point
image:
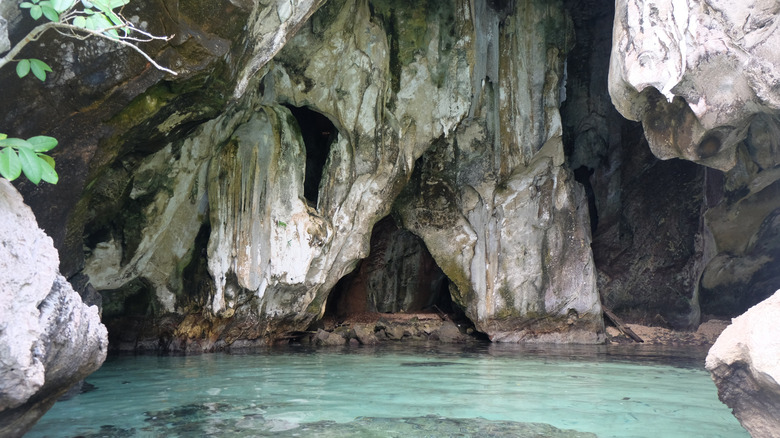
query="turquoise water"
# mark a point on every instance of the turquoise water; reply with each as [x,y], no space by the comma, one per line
[490,390]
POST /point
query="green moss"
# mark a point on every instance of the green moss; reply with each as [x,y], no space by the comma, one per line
[143,106]
[506,294]
[317,304]
[408,33]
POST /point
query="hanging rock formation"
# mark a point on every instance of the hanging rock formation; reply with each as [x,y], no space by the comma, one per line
[49,339]
[702,78]
[644,212]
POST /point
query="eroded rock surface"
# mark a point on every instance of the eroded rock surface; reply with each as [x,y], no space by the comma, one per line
[696,73]
[644,212]
[222,226]
[49,340]
[702,78]
[201,226]
[745,365]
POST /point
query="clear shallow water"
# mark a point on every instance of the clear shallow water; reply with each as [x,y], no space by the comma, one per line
[443,391]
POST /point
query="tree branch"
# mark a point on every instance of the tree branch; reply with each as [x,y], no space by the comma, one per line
[36,33]
[33,35]
[120,40]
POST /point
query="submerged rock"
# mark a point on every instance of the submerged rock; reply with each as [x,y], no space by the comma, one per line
[49,340]
[745,365]
[209,419]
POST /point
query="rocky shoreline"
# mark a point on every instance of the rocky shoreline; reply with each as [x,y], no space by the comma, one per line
[376,328]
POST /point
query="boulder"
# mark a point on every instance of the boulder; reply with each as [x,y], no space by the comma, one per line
[449,333]
[745,365]
[49,339]
[330,339]
[364,333]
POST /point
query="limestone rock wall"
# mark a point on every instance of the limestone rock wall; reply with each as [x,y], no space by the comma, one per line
[522,266]
[194,224]
[439,62]
[644,212]
[702,79]
[494,202]
[49,339]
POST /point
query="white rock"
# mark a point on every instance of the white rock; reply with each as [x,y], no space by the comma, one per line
[49,339]
[695,73]
[745,365]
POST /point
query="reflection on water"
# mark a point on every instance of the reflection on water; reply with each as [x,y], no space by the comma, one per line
[485,390]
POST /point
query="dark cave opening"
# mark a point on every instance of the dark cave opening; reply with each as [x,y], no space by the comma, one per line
[398,276]
[318,134]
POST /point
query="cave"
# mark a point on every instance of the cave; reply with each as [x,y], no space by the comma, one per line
[318,133]
[398,276]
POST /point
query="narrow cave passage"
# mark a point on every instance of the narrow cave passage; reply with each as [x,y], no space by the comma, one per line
[398,276]
[318,134]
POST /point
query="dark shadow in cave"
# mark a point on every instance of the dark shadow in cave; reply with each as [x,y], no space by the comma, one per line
[318,134]
[399,275]
[582,175]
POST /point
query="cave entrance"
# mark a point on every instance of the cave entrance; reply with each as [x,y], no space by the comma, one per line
[398,276]
[318,134]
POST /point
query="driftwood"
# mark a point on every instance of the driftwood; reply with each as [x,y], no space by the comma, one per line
[442,315]
[620,326]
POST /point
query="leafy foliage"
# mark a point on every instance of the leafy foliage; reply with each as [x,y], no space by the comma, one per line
[79,19]
[19,156]
[38,68]
[98,16]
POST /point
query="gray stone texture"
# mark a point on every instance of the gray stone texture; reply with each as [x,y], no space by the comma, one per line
[49,340]
[745,365]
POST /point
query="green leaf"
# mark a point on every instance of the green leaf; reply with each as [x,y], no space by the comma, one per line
[103,5]
[113,4]
[80,21]
[93,23]
[115,19]
[41,64]
[62,5]
[36,12]
[47,159]
[10,166]
[87,4]
[101,24]
[22,67]
[48,173]
[50,13]
[15,143]
[25,5]
[42,143]
[3,136]
[39,68]
[31,165]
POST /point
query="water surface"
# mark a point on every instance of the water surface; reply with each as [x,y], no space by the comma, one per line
[488,390]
